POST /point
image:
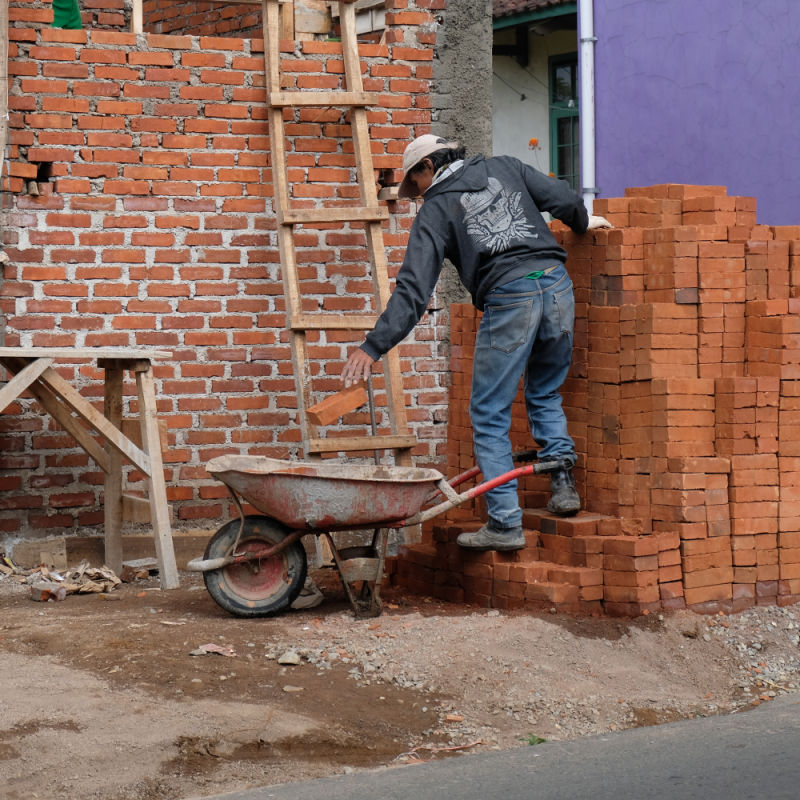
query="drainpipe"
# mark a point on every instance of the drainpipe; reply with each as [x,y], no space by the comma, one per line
[586,101]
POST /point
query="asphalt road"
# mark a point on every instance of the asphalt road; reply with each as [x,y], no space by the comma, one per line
[751,755]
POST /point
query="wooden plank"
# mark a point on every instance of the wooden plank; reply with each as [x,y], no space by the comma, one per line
[309,216]
[331,322]
[84,409]
[340,444]
[137,26]
[393,379]
[156,485]
[287,18]
[66,353]
[112,487]
[311,98]
[271,26]
[23,379]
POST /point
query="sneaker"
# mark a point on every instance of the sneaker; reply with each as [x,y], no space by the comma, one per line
[564,500]
[490,537]
[309,597]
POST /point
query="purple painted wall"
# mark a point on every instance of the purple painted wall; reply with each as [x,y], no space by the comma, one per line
[702,92]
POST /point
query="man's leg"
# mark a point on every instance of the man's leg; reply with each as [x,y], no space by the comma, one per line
[547,368]
[502,346]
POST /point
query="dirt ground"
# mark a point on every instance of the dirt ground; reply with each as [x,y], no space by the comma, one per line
[104,699]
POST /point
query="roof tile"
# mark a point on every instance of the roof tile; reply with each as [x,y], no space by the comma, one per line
[505,8]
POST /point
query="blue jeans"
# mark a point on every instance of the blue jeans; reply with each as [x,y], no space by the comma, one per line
[526,328]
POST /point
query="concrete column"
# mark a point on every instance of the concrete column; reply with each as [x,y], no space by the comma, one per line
[462,94]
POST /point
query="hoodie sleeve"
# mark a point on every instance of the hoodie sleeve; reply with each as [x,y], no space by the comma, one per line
[556,197]
[413,289]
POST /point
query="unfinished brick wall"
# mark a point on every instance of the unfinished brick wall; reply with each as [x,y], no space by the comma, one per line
[153,227]
[683,401]
[310,18]
[197,18]
[95,14]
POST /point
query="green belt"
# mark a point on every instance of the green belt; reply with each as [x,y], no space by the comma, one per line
[539,272]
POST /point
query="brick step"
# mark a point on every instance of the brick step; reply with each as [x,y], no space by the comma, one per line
[513,580]
[548,572]
[572,567]
[584,523]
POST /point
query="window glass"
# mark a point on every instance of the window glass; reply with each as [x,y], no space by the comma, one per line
[564,121]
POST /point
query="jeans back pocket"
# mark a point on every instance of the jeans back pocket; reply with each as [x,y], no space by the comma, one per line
[509,324]
[564,302]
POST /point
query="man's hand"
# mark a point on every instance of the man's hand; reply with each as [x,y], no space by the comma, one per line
[598,222]
[357,368]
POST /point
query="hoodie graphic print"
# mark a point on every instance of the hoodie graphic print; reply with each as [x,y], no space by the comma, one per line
[494,218]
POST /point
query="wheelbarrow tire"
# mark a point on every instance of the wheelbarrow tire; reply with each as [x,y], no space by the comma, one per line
[259,588]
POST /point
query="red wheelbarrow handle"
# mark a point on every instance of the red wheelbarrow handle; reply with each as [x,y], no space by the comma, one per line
[453,499]
[521,456]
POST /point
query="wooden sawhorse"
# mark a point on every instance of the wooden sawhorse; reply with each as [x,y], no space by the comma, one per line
[32,368]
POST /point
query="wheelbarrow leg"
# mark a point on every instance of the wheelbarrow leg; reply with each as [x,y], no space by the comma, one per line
[364,565]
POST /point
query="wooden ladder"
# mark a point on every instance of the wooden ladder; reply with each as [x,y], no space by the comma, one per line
[368,213]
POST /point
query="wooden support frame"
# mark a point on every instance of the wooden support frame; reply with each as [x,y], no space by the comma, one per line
[33,371]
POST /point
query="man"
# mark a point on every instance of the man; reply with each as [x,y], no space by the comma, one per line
[485,215]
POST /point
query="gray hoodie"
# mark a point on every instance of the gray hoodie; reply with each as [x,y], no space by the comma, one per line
[486,218]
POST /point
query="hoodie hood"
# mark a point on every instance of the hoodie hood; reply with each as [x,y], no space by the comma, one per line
[472,177]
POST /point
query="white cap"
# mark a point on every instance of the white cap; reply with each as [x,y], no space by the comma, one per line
[420,148]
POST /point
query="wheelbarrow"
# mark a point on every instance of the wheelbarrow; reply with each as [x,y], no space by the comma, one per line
[256,566]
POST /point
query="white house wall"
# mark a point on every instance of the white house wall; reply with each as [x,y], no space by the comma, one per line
[515,120]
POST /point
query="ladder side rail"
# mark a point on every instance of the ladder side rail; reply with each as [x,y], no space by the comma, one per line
[395,399]
[272,25]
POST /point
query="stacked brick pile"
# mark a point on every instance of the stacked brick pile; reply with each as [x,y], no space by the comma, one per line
[153,227]
[683,403]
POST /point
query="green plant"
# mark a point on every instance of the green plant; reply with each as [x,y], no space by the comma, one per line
[532,739]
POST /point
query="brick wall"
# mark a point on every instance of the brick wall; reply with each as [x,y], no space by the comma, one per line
[153,227]
[201,19]
[406,20]
[95,14]
[683,401]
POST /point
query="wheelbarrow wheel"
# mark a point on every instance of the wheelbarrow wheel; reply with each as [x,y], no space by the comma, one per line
[260,587]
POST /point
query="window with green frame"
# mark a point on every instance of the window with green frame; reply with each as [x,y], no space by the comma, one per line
[564,130]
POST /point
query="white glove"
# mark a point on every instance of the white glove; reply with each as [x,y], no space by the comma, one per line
[598,222]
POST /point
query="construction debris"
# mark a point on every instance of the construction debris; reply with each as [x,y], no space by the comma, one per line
[85,579]
[47,584]
[139,569]
[44,592]
[206,649]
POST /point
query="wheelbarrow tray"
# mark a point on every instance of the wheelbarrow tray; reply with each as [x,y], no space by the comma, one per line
[323,496]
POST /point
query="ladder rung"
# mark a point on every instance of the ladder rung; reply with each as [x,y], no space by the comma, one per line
[308,216]
[323,98]
[341,444]
[330,322]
